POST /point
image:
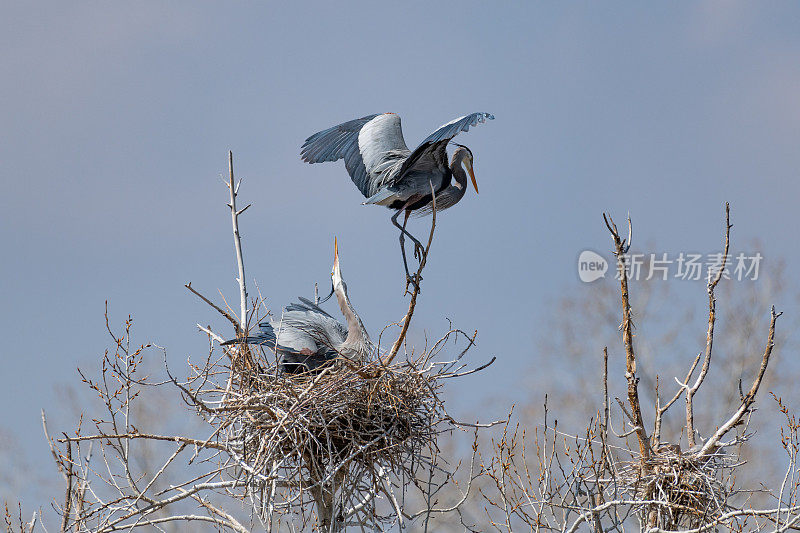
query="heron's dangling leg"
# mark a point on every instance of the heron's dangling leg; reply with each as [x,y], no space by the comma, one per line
[418,251]
[418,247]
[402,244]
[403,233]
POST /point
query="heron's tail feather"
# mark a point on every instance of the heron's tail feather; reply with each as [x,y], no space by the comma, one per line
[245,340]
[266,335]
[381,196]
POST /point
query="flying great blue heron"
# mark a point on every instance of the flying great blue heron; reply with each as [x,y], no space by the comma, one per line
[306,337]
[388,173]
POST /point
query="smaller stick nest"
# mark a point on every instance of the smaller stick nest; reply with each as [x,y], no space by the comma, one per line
[689,489]
[342,416]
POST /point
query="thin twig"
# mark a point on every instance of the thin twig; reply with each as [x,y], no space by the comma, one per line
[220,311]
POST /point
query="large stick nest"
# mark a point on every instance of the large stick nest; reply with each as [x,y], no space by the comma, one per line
[333,435]
[342,416]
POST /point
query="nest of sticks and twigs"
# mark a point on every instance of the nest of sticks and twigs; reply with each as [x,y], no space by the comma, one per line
[343,414]
[687,489]
[346,427]
[343,430]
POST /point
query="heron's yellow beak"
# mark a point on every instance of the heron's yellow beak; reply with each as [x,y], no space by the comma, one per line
[468,164]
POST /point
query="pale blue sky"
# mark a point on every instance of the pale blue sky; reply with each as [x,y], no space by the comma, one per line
[117,117]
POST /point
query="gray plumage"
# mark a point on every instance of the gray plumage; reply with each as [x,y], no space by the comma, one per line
[453,193]
[388,173]
[340,142]
[377,158]
[305,337]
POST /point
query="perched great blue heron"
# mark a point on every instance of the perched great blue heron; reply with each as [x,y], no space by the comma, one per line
[388,173]
[306,337]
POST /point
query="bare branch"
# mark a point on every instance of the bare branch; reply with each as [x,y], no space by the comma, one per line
[749,398]
[237,240]
[712,304]
[620,249]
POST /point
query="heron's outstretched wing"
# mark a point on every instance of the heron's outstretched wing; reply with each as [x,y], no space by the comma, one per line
[432,152]
[456,126]
[369,146]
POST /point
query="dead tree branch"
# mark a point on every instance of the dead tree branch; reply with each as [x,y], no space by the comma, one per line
[621,247]
[564,482]
[237,240]
[712,305]
[712,443]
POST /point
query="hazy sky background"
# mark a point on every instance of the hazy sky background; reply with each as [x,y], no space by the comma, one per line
[117,118]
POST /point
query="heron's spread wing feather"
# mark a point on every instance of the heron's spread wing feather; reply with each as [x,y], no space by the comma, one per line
[333,143]
[369,146]
[432,150]
[454,127]
[382,149]
[339,142]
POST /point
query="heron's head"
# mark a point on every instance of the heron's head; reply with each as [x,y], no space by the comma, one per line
[336,273]
[463,156]
[337,283]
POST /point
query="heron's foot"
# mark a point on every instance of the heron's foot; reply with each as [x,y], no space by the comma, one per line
[419,250]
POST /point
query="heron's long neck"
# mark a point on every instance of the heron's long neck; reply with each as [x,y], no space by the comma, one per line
[458,171]
[356,333]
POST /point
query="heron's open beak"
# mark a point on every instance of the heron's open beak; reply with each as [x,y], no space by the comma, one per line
[468,164]
[336,274]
